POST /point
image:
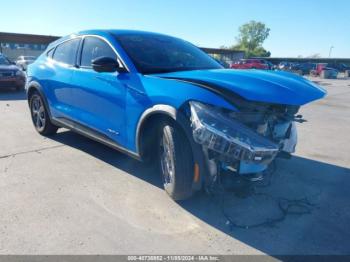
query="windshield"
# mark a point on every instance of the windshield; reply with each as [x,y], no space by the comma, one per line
[161,54]
[4,61]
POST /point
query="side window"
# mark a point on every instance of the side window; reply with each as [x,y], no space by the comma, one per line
[93,48]
[66,52]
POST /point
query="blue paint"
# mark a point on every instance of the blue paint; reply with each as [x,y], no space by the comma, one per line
[116,101]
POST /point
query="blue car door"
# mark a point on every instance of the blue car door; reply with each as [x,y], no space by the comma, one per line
[99,98]
[59,70]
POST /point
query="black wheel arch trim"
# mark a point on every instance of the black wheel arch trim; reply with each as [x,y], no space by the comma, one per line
[156,109]
[184,122]
[37,87]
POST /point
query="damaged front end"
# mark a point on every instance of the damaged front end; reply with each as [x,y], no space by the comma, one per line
[244,141]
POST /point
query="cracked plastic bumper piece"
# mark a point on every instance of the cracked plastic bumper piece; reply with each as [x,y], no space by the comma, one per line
[228,137]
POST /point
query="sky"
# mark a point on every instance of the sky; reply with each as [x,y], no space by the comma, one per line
[297,27]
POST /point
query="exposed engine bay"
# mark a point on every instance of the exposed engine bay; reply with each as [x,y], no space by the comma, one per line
[248,140]
[260,124]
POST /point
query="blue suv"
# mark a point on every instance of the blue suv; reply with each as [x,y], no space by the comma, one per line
[162,100]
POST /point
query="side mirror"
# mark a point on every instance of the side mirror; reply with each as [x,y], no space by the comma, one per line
[107,64]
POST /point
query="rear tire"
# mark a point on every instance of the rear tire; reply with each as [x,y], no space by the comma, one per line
[40,116]
[175,161]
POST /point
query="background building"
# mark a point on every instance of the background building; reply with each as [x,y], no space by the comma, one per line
[226,56]
[14,45]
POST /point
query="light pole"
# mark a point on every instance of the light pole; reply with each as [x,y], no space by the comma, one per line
[330,51]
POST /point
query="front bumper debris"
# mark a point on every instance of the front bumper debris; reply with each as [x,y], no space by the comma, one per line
[232,141]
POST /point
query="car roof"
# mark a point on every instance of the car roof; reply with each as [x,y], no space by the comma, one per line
[118,32]
[103,32]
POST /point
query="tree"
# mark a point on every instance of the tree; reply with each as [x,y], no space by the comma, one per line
[258,52]
[251,37]
[224,47]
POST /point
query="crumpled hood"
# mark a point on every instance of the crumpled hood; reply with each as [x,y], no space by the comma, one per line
[255,85]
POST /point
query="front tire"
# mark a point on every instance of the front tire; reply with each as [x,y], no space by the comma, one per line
[40,116]
[175,161]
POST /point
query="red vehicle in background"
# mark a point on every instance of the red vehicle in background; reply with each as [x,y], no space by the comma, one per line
[250,64]
[324,71]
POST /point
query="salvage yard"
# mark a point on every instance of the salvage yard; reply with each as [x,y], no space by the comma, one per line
[70,195]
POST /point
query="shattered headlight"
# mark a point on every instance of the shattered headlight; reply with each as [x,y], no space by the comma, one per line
[215,130]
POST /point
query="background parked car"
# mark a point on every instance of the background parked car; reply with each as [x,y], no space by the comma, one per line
[286,66]
[340,67]
[302,68]
[324,71]
[10,74]
[223,63]
[269,64]
[250,64]
[23,61]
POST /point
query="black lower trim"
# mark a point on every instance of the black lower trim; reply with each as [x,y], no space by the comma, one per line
[92,134]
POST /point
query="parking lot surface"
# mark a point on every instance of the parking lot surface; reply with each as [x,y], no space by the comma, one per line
[70,195]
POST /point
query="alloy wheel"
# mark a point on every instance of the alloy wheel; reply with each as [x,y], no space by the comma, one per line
[167,161]
[38,113]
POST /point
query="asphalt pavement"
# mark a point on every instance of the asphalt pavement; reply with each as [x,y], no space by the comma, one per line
[70,195]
